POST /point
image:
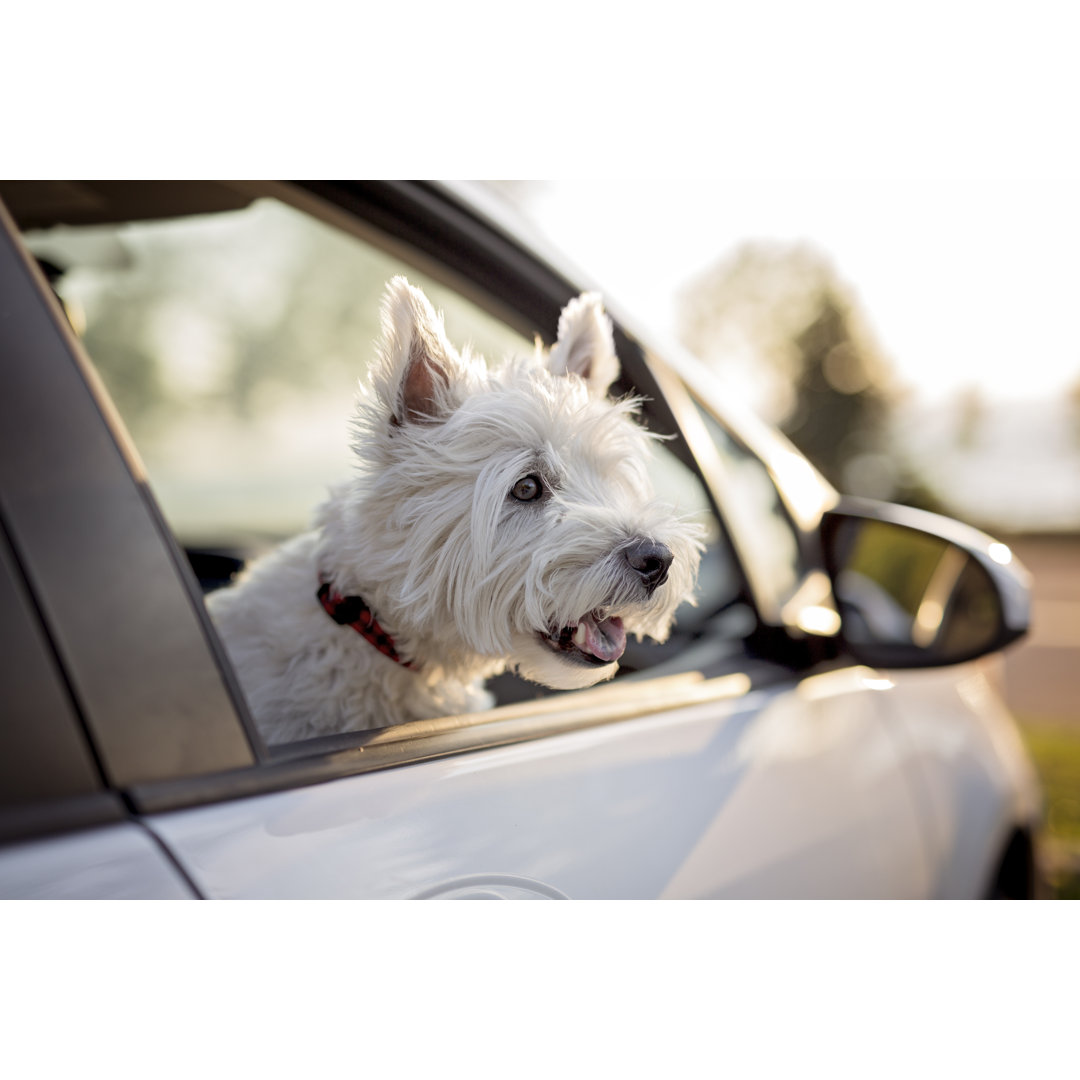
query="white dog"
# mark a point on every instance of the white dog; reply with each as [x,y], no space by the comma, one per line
[496,518]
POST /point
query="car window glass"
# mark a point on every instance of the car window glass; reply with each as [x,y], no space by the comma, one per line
[754,510]
[232,345]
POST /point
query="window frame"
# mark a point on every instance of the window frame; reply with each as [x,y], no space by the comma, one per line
[123,613]
[443,236]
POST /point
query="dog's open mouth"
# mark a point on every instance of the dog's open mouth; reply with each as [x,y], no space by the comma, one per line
[591,641]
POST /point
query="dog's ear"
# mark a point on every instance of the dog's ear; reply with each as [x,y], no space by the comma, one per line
[420,363]
[586,346]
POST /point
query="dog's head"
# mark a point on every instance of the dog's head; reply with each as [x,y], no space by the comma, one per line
[508,514]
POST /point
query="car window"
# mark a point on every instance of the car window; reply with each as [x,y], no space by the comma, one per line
[232,344]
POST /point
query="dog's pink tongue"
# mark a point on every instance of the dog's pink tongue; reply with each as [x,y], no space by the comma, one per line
[606,640]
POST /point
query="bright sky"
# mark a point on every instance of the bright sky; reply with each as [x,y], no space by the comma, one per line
[963,282]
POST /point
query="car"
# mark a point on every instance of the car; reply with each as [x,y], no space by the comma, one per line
[179,364]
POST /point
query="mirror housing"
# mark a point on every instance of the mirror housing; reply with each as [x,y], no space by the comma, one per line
[916,589]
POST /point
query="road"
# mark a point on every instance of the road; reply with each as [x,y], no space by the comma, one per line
[1042,673]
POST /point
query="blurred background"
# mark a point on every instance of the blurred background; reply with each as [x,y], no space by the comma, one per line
[916,340]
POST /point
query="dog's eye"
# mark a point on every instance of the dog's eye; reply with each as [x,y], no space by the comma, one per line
[528,488]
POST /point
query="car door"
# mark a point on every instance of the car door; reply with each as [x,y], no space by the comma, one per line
[724,764]
[707,791]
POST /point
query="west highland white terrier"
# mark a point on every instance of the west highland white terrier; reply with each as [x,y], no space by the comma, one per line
[497,518]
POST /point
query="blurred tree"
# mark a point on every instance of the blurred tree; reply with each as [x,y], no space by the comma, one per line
[743,315]
[781,314]
[231,315]
[220,315]
[839,417]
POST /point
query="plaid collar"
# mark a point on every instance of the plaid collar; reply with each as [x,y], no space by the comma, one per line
[353,611]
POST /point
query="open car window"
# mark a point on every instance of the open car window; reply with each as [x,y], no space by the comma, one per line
[232,344]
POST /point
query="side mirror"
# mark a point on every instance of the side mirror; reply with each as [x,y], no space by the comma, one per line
[915,589]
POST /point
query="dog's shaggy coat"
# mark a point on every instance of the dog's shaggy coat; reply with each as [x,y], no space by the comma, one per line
[496,518]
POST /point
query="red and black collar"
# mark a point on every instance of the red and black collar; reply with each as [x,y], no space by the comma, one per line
[353,611]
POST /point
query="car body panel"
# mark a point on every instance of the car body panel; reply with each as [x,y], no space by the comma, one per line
[117,862]
[774,793]
[974,781]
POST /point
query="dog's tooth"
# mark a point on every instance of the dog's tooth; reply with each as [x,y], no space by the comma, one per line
[580,635]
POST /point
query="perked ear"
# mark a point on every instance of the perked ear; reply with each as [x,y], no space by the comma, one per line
[420,362]
[586,346]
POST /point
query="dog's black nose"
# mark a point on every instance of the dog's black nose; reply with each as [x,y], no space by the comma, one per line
[650,561]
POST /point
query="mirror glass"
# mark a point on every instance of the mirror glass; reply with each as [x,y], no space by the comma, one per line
[908,598]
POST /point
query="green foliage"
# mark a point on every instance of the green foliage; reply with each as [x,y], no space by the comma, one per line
[210,313]
[1055,749]
[1054,745]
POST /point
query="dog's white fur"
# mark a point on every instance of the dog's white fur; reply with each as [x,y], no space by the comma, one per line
[464,576]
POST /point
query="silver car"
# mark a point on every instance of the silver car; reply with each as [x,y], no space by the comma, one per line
[178,364]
